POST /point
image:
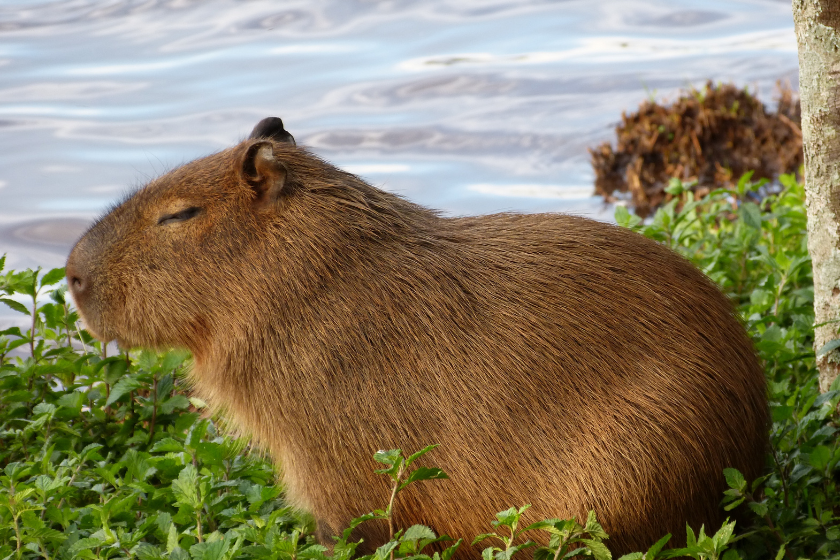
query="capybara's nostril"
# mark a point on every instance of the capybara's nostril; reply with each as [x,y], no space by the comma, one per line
[76,281]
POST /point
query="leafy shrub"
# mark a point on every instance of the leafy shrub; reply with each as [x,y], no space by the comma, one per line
[106,457]
[758,255]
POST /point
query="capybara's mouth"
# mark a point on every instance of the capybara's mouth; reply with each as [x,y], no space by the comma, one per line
[98,334]
[95,327]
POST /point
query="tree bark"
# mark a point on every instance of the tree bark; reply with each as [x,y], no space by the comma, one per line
[817,25]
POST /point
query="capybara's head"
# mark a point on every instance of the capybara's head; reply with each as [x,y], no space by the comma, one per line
[157,269]
[170,237]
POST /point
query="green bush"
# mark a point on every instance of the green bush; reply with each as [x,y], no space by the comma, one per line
[107,457]
[757,253]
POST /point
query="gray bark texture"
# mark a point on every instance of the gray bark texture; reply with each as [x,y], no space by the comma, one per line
[817,25]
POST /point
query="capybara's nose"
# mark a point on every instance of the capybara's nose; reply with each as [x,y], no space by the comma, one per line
[77,280]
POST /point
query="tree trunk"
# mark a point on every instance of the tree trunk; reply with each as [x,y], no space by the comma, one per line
[818,35]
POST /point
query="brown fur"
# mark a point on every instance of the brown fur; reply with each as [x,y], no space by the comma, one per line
[560,362]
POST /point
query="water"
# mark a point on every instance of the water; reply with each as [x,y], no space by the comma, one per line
[464,105]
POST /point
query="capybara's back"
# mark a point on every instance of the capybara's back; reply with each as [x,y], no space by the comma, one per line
[560,362]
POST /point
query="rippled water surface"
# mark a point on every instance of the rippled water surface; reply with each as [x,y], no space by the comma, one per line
[468,106]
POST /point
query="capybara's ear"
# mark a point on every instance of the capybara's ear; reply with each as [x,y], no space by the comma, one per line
[272,127]
[265,174]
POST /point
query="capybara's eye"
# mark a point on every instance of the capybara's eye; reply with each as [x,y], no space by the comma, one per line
[181,216]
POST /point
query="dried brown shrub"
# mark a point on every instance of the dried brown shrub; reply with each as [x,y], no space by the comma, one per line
[711,136]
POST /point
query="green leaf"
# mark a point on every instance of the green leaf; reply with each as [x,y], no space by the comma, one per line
[174,403]
[31,521]
[196,433]
[599,549]
[384,551]
[800,471]
[723,535]
[414,456]
[46,484]
[47,534]
[593,527]
[211,550]
[168,445]
[54,276]
[185,488]
[654,550]
[484,536]
[85,544]
[108,473]
[751,214]
[675,186]
[819,457]
[772,334]
[624,218]
[507,517]
[15,471]
[829,346]
[89,450]
[759,508]
[59,295]
[735,479]
[732,505]
[186,421]
[14,331]
[147,360]
[690,538]
[197,403]
[393,459]
[417,532]
[743,182]
[731,554]
[172,538]
[15,305]
[17,343]
[424,473]
[123,387]
[173,359]
[781,413]
[557,526]
[210,453]
[449,552]
[63,516]
[115,369]
[388,457]
[18,396]
[74,400]
[148,552]
[514,549]
[825,398]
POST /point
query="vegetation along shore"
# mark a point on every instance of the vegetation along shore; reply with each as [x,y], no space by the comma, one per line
[108,457]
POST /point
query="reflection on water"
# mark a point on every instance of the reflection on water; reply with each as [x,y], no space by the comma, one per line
[471,106]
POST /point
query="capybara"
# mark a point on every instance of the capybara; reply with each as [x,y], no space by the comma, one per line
[558,361]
